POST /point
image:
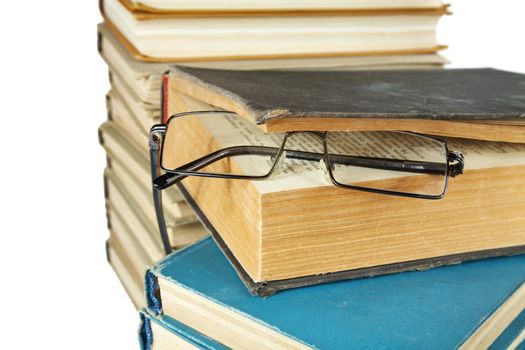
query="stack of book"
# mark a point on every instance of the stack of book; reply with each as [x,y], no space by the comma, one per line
[138,41]
[309,99]
[287,237]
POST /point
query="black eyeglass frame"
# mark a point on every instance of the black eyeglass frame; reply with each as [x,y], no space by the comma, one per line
[454,165]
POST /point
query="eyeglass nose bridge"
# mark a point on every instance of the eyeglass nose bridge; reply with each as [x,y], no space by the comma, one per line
[282,155]
[320,134]
[278,164]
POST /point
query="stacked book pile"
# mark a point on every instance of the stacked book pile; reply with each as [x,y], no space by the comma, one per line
[138,40]
[334,209]
[274,128]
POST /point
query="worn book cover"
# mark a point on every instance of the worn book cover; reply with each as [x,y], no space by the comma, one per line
[485,104]
[461,306]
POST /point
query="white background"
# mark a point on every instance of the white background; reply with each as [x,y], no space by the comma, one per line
[57,289]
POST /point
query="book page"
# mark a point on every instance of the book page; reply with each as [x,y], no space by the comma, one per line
[232,130]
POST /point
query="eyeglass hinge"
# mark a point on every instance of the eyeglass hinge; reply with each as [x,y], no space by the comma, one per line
[456,163]
[155,131]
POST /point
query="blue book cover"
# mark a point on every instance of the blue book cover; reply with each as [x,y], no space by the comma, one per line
[441,308]
[164,332]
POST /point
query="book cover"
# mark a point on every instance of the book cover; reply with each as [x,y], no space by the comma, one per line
[344,33]
[412,100]
[144,77]
[438,308]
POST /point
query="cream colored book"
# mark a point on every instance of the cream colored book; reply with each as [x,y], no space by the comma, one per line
[198,38]
[143,231]
[130,114]
[120,263]
[127,240]
[131,168]
[130,213]
[134,244]
[127,253]
[143,79]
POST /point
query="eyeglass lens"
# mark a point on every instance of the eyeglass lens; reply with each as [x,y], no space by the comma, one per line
[391,161]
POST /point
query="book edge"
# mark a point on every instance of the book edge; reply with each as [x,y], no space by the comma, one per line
[268,288]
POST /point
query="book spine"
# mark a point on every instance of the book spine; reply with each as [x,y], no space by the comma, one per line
[152,293]
[145,334]
[164,98]
[186,335]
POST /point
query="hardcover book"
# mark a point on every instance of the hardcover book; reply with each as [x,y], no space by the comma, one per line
[464,306]
[132,167]
[134,116]
[123,208]
[120,261]
[144,78]
[238,35]
[296,227]
[134,244]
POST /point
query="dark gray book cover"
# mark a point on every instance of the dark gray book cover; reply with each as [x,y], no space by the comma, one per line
[452,94]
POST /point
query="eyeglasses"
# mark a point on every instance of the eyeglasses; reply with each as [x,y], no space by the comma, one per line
[385,162]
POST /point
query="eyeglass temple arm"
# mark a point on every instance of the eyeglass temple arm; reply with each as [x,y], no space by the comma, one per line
[154,145]
[168,179]
[455,162]
[454,159]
